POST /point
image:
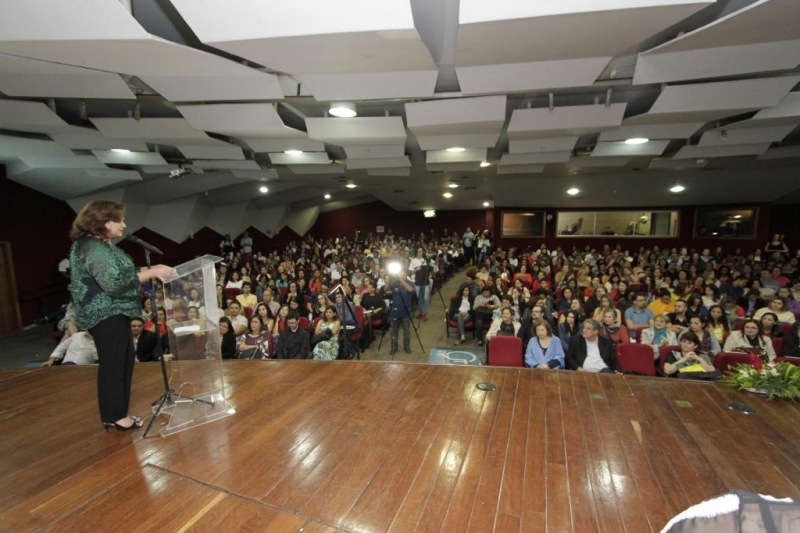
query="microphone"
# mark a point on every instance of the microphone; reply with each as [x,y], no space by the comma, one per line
[147,246]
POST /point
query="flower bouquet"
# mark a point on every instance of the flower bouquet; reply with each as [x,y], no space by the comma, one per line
[776,381]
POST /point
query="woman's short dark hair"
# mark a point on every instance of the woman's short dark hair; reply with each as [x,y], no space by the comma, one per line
[93,217]
[691,336]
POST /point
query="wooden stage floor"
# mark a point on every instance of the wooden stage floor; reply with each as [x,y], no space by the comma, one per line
[373,447]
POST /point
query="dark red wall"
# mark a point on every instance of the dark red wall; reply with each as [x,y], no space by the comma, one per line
[785,219]
[366,217]
[37,227]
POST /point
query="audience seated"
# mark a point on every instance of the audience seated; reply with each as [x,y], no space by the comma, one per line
[544,349]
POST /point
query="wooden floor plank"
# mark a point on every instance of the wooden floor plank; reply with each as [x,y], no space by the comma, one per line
[343,446]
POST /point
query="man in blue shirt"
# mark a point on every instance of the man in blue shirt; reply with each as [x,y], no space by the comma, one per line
[469,245]
[400,310]
[638,315]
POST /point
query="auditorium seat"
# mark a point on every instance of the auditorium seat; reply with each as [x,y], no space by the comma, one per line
[777,344]
[636,358]
[450,322]
[505,350]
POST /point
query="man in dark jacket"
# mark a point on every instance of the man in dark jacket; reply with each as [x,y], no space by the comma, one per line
[591,353]
[144,341]
[293,342]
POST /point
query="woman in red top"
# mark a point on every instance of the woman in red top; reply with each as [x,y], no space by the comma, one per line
[524,276]
[162,323]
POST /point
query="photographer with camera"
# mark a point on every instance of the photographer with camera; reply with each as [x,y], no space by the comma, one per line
[421,267]
[400,291]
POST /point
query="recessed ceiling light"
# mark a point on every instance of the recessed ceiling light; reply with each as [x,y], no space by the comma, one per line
[636,140]
[293,152]
[263,189]
[456,149]
[677,188]
[120,150]
[448,195]
[485,164]
[573,191]
[737,216]
[351,185]
[453,185]
[485,204]
[342,110]
[327,196]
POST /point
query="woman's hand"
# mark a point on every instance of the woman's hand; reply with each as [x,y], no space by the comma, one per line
[49,362]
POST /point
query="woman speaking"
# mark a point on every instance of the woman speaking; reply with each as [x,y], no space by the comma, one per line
[105,288]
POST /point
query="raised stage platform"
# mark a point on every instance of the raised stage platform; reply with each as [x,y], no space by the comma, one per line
[373,447]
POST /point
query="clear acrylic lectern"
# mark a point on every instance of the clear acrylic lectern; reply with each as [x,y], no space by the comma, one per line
[196,380]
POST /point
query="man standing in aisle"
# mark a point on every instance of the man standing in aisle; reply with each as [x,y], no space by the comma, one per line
[400,310]
[419,267]
[469,246]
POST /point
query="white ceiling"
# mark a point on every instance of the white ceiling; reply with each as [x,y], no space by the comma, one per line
[545,92]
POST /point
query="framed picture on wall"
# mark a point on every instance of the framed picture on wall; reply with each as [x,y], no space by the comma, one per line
[722,223]
[521,224]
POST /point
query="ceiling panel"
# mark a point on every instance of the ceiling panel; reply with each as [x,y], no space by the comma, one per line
[467,140]
[26,116]
[650,131]
[329,169]
[238,120]
[129,158]
[19,146]
[264,145]
[20,76]
[218,164]
[535,158]
[521,169]
[380,162]
[444,156]
[704,102]
[587,162]
[90,139]
[169,189]
[717,62]
[786,112]
[564,121]
[357,131]
[721,151]
[76,161]
[457,116]
[676,164]
[370,85]
[262,174]
[212,152]
[619,148]
[453,166]
[160,130]
[313,37]
[69,183]
[400,172]
[372,152]
[540,75]
[535,146]
[306,158]
[724,136]
[781,152]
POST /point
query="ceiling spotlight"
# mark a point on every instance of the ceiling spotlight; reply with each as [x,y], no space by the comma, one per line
[573,191]
[120,150]
[677,188]
[453,185]
[485,164]
[263,189]
[448,195]
[737,216]
[456,149]
[636,140]
[293,152]
[327,196]
[351,185]
[485,204]
[429,213]
[342,110]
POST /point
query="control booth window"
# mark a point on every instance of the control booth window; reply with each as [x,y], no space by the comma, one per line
[725,223]
[617,223]
[522,224]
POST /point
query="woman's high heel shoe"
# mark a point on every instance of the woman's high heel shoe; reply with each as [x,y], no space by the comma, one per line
[137,423]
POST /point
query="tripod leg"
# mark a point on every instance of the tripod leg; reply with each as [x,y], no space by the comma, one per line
[164,398]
